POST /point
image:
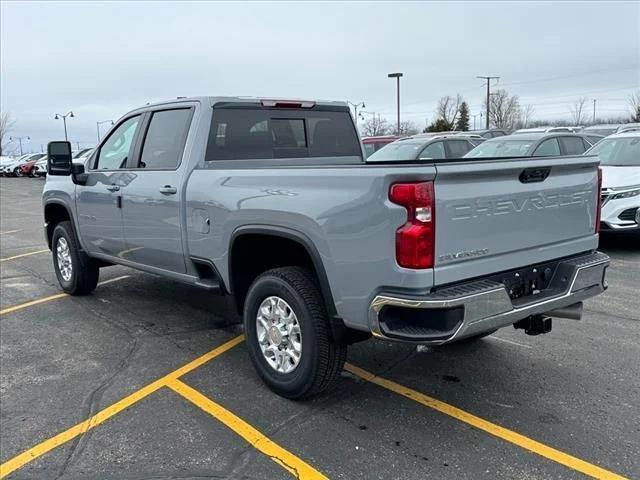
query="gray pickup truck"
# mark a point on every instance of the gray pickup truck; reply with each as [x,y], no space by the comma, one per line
[272,202]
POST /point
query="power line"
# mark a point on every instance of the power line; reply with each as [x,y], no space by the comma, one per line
[572,75]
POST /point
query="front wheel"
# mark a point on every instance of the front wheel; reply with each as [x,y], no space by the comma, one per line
[77,273]
[17,172]
[288,334]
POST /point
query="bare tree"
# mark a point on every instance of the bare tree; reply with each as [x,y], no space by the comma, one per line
[6,124]
[526,115]
[634,103]
[375,126]
[448,108]
[578,111]
[504,109]
[408,128]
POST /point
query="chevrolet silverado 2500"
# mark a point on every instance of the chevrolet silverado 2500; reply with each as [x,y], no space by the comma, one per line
[273,203]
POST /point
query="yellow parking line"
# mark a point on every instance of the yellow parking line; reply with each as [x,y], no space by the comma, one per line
[23,254]
[38,301]
[496,430]
[297,467]
[102,416]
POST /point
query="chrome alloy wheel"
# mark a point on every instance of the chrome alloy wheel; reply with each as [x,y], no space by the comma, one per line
[279,334]
[65,264]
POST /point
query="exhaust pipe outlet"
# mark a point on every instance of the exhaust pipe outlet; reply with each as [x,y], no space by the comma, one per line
[572,312]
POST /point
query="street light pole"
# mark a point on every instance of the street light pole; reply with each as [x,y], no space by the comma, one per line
[64,121]
[111,122]
[355,109]
[397,76]
[20,141]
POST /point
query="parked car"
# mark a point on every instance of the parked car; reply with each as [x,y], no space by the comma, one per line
[271,201]
[593,138]
[619,156]
[605,130]
[532,145]
[27,168]
[628,127]
[83,153]
[424,146]
[14,168]
[373,144]
[490,133]
[40,168]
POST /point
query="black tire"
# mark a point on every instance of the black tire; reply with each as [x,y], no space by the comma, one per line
[17,172]
[84,270]
[321,358]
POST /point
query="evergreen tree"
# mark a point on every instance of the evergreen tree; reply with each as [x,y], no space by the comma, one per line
[462,123]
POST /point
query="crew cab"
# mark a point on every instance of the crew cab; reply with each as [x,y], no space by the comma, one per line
[272,202]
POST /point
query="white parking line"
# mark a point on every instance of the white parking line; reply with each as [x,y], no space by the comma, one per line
[510,341]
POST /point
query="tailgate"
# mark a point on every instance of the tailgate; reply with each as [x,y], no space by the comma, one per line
[498,214]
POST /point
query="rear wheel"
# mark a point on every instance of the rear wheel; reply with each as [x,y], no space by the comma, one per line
[288,334]
[77,273]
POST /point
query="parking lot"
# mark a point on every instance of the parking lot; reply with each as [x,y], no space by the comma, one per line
[150,379]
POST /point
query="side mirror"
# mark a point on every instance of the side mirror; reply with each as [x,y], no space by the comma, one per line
[59,158]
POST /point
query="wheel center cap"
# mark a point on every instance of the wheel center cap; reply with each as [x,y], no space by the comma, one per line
[275,336]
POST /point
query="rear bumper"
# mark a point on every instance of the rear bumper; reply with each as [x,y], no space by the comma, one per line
[471,308]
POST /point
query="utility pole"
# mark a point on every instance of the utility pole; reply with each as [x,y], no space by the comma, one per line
[594,111]
[64,120]
[78,145]
[488,79]
[397,76]
[355,110]
[19,141]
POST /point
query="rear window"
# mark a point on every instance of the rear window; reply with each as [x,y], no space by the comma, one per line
[262,133]
[399,150]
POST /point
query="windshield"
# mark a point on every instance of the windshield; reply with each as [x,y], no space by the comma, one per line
[618,152]
[501,148]
[401,150]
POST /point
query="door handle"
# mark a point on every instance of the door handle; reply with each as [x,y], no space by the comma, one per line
[113,188]
[168,190]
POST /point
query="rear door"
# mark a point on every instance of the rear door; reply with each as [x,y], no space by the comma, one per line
[495,215]
[151,201]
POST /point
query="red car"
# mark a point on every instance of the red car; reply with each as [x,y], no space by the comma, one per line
[373,144]
[27,168]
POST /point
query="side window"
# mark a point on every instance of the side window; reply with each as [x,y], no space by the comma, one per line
[458,148]
[572,145]
[165,139]
[116,149]
[433,150]
[548,148]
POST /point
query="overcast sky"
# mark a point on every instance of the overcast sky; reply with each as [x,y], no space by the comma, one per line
[103,59]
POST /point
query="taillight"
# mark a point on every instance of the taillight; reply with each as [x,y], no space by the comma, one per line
[415,240]
[599,200]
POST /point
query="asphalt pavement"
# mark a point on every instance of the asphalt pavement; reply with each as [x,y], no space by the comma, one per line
[149,379]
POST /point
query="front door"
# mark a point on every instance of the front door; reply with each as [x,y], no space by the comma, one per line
[98,201]
[151,202]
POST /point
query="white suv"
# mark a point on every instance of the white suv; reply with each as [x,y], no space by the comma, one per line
[620,162]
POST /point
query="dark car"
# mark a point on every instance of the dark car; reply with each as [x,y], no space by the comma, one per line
[373,144]
[425,147]
[533,145]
